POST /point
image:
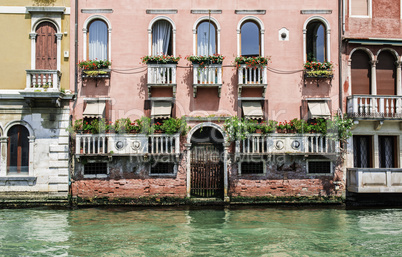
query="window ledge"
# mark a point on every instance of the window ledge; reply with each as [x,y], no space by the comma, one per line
[11,180]
[96,176]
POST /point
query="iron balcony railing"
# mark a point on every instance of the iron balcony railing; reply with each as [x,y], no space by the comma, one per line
[373,106]
[374,180]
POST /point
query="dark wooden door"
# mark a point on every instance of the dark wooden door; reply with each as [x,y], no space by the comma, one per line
[206,171]
[46,47]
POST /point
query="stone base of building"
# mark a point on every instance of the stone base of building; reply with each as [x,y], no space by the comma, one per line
[33,199]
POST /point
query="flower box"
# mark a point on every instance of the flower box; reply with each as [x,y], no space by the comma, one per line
[160,59]
[257,61]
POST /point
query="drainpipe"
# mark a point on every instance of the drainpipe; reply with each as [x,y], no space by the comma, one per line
[340,54]
[75,91]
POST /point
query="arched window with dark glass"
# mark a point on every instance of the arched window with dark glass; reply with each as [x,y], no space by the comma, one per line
[361,73]
[162,42]
[18,150]
[206,39]
[316,42]
[97,40]
[250,39]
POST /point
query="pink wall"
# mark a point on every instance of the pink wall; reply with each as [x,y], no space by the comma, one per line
[385,21]
[129,43]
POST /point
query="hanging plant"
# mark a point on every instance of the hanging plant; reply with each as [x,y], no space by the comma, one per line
[160,59]
[257,61]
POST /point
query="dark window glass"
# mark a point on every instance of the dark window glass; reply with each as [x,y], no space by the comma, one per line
[95,168]
[318,167]
[316,41]
[252,168]
[250,39]
[18,149]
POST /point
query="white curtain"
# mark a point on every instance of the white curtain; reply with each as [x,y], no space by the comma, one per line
[161,32]
[98,40]
[203,33]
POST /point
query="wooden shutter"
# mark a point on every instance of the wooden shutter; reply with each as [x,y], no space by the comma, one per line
[265,109]
[304,110]
[386,76]
[361,73]
[46,47]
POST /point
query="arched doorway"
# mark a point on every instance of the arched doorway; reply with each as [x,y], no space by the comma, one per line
[207,163]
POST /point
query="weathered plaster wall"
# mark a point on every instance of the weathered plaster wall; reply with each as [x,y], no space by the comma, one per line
[49,163]
[130,42]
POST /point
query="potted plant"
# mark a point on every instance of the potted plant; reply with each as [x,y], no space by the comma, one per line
[268,127]
[157,128]
[93,68]
[236,129]
[257,61]
[206,60]
[175,125]
[315,69]
[160,59]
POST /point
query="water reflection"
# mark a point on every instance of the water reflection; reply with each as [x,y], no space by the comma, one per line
[200,232]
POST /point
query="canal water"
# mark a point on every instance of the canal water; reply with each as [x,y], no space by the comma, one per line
[201,232]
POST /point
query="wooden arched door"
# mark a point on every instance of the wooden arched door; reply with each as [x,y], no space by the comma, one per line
[46,47]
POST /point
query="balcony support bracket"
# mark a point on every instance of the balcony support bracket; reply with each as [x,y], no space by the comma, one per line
[378,124]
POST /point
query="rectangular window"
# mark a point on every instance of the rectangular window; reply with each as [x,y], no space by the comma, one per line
[96,168]
[360,8]
[162,168]
[387,151]
[252,168]
[319,167]
[362,151]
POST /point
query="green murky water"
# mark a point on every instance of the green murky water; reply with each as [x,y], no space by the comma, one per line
[201,232]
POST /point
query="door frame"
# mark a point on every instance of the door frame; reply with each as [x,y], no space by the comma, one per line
[225,157]
[37,17]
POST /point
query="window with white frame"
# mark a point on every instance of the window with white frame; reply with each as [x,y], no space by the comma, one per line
[97,40]
[250,40]
[18,150]
[162,38]
[206,38]
[316,41]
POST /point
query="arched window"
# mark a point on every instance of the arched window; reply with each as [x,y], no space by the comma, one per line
[162,42]
[18,150]
[361,73]
[386,73]
[206,39]
[250,39]
[316,41]
[97,40]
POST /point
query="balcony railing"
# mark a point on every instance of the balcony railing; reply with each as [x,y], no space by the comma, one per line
[252,75]
[378,180]
[164,144]
[208,76]
[287,143]
[126,144]
[43,80]
[161,74]
[373,106]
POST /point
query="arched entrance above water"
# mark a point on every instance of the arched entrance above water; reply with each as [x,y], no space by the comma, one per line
[206,168]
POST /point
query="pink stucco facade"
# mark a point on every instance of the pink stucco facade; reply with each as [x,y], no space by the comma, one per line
[129,25]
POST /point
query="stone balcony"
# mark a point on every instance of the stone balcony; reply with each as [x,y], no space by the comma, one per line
[254,77]
[208,76]
[43,81]
[161,75]
[374,107]
[126,145]
[296,144]
[374,180]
